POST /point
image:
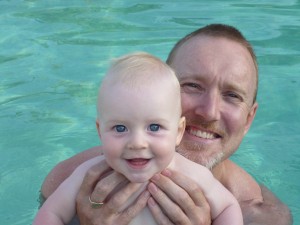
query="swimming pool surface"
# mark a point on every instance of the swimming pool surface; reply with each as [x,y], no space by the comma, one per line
[52,57]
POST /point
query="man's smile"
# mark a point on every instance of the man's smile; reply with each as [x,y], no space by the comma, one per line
[201,134]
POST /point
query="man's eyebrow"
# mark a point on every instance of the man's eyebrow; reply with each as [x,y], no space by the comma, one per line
[237,88]
[182,76]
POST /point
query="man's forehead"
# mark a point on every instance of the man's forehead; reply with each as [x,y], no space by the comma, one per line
[203,48]
[204,59]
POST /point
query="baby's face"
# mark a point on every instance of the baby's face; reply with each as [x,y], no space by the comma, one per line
[140,129]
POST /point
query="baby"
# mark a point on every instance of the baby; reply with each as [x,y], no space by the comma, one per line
[139,123]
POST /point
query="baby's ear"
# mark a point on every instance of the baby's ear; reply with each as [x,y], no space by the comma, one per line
[98,127]
[181,129]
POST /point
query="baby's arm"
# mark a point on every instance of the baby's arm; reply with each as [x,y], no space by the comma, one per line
[60,207]
[225,209]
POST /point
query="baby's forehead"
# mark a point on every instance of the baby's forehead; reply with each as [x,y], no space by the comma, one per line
[141,79]
[126,90]
[122,102]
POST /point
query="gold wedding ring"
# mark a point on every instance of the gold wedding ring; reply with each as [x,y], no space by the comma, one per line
[95,205]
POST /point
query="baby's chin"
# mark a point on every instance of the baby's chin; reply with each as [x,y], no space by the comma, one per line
[139,179]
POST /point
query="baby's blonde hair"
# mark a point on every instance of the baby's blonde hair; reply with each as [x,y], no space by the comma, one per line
[137,71]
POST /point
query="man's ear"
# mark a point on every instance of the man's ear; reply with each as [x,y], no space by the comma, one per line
[181,129]
[98,128]
[250,117]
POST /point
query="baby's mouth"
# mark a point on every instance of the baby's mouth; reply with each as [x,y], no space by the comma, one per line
[138,162]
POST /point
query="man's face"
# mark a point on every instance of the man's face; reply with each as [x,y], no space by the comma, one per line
[218,81]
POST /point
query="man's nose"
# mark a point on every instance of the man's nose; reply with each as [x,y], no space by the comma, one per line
[137,141]
[208,106]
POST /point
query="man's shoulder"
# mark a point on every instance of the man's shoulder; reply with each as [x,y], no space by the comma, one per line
[259,204]
[240,183]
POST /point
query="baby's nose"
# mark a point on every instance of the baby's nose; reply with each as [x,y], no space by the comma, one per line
[137,141]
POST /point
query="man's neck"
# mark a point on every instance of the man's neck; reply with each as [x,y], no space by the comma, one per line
[219,171]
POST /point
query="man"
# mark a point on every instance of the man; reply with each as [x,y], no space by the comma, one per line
[218,74]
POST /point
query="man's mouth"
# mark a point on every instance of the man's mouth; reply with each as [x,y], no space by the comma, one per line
[201,134]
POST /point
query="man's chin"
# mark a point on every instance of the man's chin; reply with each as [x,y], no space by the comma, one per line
[199,155]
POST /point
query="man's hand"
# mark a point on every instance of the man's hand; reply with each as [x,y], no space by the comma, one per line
[177,199]
[99,191]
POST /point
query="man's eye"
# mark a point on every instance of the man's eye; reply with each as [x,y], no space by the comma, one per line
[191,85]
[191,88]
[120,128]
[154,127]
[233,95]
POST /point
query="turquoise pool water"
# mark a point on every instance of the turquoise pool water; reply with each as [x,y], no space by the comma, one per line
[53,54]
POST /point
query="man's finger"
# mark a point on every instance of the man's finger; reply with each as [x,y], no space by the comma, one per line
[189,203]
[157,213]
[92,176]
[132,211]
[169,208]
[107,185]
[189,185]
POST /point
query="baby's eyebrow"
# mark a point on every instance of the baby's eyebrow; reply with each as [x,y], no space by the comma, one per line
[115,122]
[157,120]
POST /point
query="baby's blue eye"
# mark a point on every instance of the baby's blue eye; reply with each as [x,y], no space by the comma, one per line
[120,128]
[154,127]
